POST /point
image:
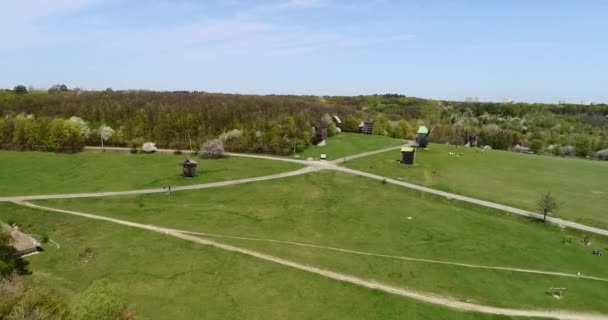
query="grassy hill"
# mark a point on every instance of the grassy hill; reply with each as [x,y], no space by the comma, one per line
[167,278]
[354,213]
[509,178]
[27,173]
[346,144]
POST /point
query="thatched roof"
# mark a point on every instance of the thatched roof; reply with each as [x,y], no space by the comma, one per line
[21,241]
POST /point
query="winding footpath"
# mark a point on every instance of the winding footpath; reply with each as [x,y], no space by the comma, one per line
[431,261]
[424,297]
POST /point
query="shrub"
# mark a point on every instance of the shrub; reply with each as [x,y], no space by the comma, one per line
[212,149]
[232,140]
[331,130]
[100,301]
[402,130]
[149,147]
[40,303]
[537,146]
[557,150]
[350,124]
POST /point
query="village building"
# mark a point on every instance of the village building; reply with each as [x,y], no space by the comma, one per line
[423,137]
[189,168]
[320,133]
[23,243]
[367,126]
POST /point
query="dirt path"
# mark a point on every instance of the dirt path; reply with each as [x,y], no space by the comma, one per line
[160,190]
[428,298]
[450,263]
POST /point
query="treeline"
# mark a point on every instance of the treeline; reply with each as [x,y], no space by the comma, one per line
[180,120]
[49,120]
[565,129]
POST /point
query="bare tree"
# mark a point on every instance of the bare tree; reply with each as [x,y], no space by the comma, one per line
[547,204]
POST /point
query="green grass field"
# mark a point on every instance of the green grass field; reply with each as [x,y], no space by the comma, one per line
[515,179]
[27,173]
[339,210]
[346,144]
[167,278]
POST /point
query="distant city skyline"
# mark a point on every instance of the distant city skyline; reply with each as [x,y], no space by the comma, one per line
[526,51]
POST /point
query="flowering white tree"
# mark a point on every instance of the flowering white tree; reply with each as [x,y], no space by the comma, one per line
[212,149]
[105,133]
[85,131]
[149,147]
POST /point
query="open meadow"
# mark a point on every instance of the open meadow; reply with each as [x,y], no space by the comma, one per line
[515,179]
[338,210]
[28,173]
[333,221]
[167,278]
[345,144]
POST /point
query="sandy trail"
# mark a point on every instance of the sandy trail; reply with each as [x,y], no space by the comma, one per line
[432,261]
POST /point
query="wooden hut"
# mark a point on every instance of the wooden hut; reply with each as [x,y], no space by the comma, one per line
[423,137]
[189,168]
[408,155]
[320,132]
[24,244]
[367,126]
[472,140]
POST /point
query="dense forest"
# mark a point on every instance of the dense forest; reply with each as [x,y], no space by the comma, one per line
[65,120]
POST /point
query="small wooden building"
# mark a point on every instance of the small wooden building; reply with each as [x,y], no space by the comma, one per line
[24,244]
[367,126]
[423,137]
[320,132]
[408,155]
[189,167]
[472,140]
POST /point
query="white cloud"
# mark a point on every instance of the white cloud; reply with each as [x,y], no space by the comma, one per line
[303,4]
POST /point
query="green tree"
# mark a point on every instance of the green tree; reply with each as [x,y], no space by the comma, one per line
[102,300]
[402,130]
[20,89]
[547,204]
[331,130]
[351,124]
[584,145]
[537,146]
[382,126]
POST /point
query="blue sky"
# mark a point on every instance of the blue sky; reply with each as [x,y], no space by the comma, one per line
[533,50]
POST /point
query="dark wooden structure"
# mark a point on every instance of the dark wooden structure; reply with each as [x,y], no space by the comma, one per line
[320,132]
[472,140]
[367,126]
[189,167]
[408,155]
[423,137]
